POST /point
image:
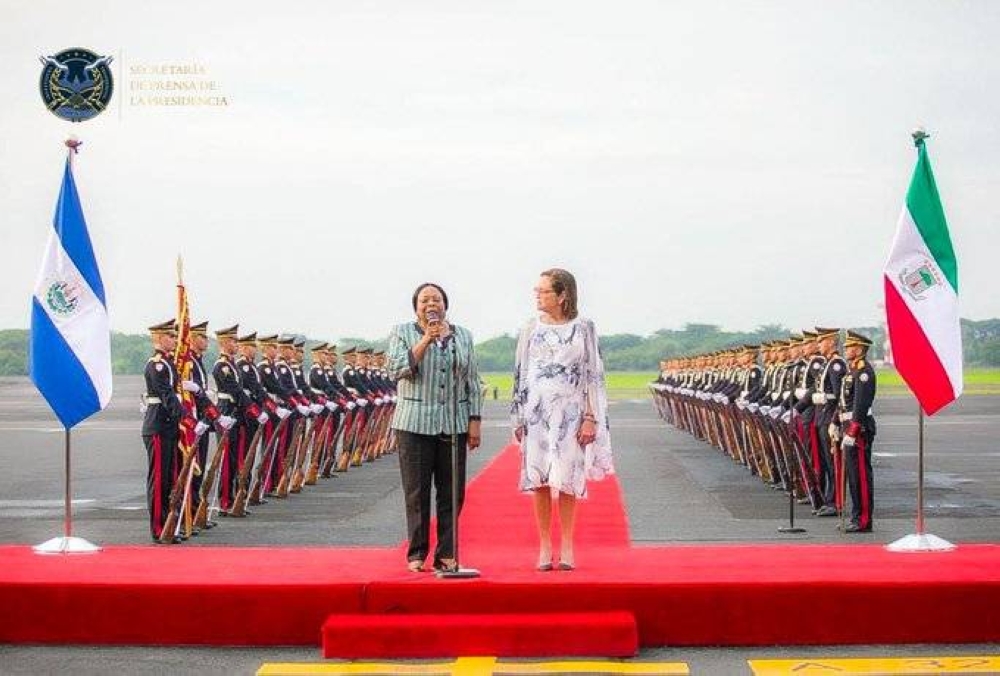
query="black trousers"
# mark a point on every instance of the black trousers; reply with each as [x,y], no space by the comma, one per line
[828,474]
[858,463]
[161,449]
[425,459]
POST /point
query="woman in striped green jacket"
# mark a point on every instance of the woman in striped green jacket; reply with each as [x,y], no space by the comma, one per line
[434,364]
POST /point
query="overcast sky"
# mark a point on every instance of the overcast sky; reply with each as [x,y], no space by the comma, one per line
[730,163]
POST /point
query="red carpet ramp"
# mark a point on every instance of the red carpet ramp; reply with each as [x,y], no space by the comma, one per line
[607,634]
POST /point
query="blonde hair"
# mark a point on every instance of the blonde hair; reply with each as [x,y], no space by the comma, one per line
[563,282]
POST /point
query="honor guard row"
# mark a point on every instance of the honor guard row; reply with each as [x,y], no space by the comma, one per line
[277,426]
[795,412]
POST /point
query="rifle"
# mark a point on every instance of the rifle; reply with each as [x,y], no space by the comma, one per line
[179,491]
[331,455]
[266,461]
[208,480]
[319,451]
[345,450]
[281,490]
[239,506]
[308,446]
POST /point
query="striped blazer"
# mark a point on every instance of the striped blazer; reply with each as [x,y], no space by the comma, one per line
[428,391]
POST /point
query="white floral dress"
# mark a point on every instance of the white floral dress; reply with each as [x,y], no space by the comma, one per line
[557,371]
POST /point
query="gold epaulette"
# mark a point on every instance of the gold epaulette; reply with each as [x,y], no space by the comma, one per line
[859,364]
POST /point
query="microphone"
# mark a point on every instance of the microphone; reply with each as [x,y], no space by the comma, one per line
[433,317]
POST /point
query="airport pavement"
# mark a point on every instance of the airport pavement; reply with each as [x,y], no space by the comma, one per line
[677,490]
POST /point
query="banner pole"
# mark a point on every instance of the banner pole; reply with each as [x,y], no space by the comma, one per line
[920,471]
[67,544]
[920,541]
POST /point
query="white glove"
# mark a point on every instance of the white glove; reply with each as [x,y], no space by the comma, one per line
[226,421]
[741,404]
[786,417]
[818,398]
[723,399]
[303,410]
[282,412]
[362,402]
[765,410]
[316,408]
[392,399]
[833,431]
[331,406]
[191,386]
[200,428]
[754,407]
[800,392]
[262,418]
[351,406]
[848,441]
[378,401]
[774,412]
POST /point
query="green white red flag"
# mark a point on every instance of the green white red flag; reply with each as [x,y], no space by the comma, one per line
[921,294]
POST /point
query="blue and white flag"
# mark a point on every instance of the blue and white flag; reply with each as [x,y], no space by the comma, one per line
[70,352]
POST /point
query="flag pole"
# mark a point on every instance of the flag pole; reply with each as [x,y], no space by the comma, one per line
[920,541]
[67,544]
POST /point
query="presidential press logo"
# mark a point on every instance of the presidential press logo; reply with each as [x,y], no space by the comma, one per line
[76,84]
[62,298]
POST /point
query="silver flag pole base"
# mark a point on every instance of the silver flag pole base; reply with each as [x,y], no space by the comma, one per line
[66,545]
[920,542]
[457,574]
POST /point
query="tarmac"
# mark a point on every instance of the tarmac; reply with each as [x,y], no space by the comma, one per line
[678,491]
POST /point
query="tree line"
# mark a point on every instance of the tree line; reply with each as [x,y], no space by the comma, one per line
[621,351]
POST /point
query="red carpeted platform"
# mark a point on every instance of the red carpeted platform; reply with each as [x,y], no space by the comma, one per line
[601,634]
[678,595]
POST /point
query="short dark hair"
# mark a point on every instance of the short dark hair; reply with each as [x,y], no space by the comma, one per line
[424,286]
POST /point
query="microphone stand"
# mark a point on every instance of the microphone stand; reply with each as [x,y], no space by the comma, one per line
[458,572]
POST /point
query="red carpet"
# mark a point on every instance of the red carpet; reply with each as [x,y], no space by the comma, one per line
[608,634]
[679,595]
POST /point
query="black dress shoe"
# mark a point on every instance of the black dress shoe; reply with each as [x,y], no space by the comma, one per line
[210,524]
[855,528]
[826,510]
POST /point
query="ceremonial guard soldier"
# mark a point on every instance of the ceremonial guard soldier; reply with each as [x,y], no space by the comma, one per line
[857,430]
[164,414]
[347,406]
[235,403]
[205,408]
[810,432]
[267,414]
[824,398]
[283,396]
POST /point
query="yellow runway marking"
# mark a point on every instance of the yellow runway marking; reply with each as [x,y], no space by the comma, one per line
[972,664]
[471,666]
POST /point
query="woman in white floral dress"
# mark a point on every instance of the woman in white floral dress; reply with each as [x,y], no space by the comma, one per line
[559,411]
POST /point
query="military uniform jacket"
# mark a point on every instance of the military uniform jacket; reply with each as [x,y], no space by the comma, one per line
[164,410]
[334,388]
[829,382]
[205,408]
[354,381]
[252,383]
[279,389]
[227,382]
[857,394]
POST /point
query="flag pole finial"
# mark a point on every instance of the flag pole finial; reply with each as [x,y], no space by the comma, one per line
[919,134]
[73,143]
[180,270]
